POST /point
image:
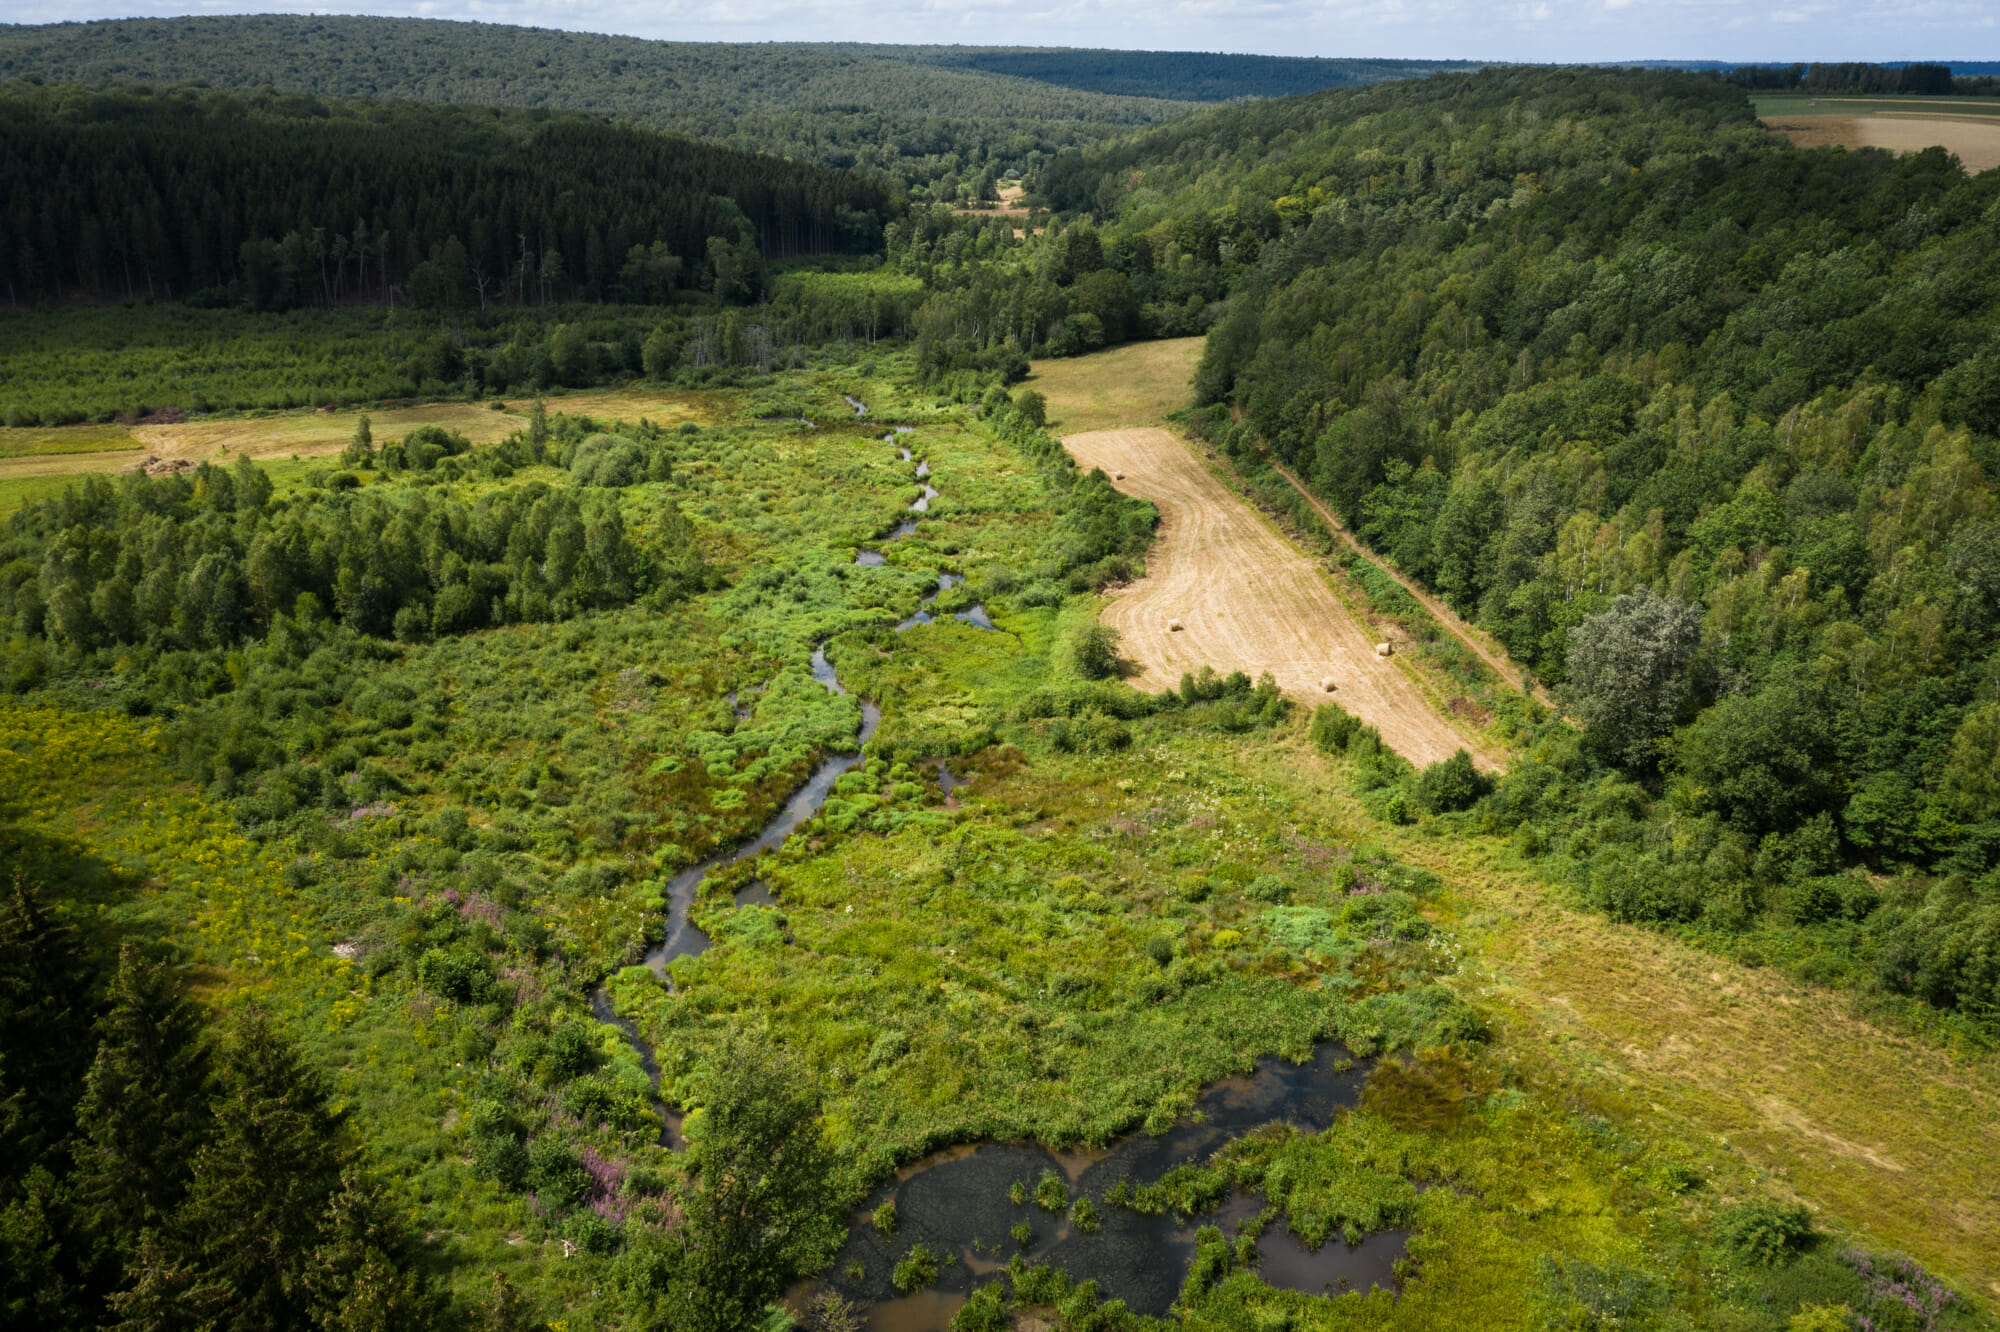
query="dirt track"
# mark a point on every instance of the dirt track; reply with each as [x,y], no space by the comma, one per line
[1248,600]
[1481,646]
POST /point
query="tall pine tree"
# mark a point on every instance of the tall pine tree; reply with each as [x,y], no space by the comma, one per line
[240,1253]
[145,1110]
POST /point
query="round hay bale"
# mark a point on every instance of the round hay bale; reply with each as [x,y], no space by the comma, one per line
[1173,626]
[1118,476]
[1384,649]
[1327,684]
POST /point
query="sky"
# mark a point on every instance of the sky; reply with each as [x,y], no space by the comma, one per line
[1526,30]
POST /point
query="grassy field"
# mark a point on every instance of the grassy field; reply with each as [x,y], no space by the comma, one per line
[1883,1133]
[1799,104]
[74,450]
[1133,385]
[1787,1076]
[34,441]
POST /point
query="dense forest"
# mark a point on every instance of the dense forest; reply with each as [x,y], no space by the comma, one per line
[279,201]
[1930,80]
[919,124]
[1185,76]
[1709,445]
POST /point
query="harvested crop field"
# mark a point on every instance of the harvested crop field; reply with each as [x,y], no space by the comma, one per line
[1246,599]
[1974,140]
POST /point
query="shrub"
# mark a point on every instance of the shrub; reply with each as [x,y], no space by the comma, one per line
[500,1157]
[919,1268]
[554,1174]
[1270,888]
[884,1218]
[608,460]
[1451,784]
[986,1311]
[1332,727]
[458,975]
[887,1049]
[1764,1232]
[1092,652]
[1050,1193]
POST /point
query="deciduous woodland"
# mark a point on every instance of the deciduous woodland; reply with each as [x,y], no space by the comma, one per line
[562,762]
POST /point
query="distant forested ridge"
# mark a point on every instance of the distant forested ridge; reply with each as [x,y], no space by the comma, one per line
[1701,426]
[1929,79]
[1189,76]
[926,115]
[840,107]
[280,200]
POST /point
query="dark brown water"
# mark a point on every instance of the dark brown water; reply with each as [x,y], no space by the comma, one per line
[956,1203]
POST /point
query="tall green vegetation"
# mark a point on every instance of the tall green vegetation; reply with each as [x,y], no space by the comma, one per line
[837,104]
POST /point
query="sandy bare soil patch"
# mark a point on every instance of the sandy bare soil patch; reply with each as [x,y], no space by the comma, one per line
[1246,599]
[1975,140]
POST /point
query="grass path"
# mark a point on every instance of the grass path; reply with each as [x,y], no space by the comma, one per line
[1890,1135]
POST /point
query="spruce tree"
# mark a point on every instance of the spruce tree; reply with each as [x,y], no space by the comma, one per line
[45,1012]
[757,1214]
[240,1254]
[364,1276]
[145,1109]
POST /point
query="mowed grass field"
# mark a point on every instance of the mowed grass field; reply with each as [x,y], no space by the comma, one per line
[1967,128]
[1133,385]
[1884,1134]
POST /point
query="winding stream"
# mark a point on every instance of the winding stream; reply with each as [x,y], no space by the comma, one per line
[956,1201]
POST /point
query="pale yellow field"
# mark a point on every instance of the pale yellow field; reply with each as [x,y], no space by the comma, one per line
[1137,384]
[1973,139]
[1224,588]
[74,450]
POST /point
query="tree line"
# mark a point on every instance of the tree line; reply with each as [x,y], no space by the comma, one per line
[202,560]
[1931,80]
[276,201]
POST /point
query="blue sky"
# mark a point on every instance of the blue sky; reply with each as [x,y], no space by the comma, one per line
[1539,30]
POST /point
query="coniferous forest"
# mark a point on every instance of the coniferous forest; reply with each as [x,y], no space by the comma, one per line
[567,757]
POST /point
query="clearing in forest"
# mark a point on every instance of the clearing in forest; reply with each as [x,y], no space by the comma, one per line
[304,434]
[1243,596]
